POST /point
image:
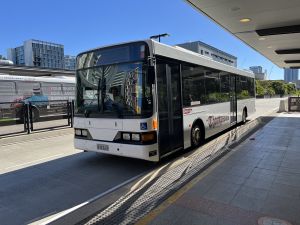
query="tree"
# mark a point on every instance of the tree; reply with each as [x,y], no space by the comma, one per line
[290,88]
[270,91]
[260,90]
[278,87]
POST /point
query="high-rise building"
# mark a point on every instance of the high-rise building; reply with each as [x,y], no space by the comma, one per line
[291,75]
[258,72]
[211,52]
[38,53]
[70,62]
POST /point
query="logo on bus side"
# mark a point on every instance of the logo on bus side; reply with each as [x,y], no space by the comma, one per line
[216,121]
[187,111]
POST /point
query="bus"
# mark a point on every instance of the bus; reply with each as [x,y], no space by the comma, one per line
[147,100]
[17,90]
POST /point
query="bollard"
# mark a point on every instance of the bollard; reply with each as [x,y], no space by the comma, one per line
[282,106]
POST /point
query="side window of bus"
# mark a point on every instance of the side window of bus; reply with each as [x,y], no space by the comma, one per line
[27,89]
[243,89]
[7,88]
[251,87]
[212,85]
[52,89]
[69,90]
[225,87]
[193,85]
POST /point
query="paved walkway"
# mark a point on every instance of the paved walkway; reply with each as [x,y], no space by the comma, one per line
[258,180]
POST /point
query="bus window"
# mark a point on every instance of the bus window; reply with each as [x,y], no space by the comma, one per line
[53,91]
[225,87]
[7,88]
[193,85]
[212,86]
[26,89]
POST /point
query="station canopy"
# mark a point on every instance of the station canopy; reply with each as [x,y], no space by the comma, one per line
[271,27]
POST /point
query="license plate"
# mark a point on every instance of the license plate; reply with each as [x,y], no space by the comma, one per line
[103,147]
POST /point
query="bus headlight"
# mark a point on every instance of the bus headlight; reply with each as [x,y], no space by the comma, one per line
[126,136]
[135,137]
[84,133]
[81,132]
[78,132]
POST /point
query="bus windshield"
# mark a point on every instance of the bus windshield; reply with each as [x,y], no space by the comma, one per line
[118,90]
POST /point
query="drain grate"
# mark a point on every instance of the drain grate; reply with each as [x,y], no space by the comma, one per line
[137,203]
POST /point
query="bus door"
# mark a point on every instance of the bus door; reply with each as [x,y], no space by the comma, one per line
[169,107]
[233,105]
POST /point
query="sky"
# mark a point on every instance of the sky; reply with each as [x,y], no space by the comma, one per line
[82,25]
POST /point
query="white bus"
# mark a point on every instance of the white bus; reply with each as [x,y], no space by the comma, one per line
[147,100]
[24,89]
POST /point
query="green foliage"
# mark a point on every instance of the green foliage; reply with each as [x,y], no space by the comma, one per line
[260,90]
[274,87]
[278,87]
[290,89]
[243,95]
[270,91]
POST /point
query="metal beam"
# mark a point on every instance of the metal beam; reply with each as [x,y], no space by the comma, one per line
[288,51]
[279,30]
[292,61]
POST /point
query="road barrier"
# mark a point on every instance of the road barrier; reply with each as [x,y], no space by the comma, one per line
[26,117]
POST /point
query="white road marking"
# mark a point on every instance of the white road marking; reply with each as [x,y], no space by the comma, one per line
[63,213]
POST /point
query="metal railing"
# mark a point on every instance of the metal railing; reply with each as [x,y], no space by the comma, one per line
[25,117]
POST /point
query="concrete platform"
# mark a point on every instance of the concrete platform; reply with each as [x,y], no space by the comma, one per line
[257,183]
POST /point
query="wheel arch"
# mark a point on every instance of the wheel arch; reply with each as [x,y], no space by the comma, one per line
[199,122]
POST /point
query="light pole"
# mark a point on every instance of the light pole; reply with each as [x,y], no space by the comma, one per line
[159,35]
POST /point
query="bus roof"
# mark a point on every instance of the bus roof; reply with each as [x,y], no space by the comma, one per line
[6,77]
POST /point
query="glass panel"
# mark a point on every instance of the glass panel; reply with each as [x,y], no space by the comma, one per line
[225,87]
[212,85]
[193,85]
[7,88]
[116,90]
[113,55]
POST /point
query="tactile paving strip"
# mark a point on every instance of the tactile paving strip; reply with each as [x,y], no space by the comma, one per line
[137,203]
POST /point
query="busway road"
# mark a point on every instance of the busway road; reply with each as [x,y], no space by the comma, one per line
[42,174]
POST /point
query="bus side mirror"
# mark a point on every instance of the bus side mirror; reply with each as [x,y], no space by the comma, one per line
[151,75]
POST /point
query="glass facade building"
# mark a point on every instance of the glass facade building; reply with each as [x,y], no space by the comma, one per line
[258,72]
[291,75]
[70,62]
[38,53]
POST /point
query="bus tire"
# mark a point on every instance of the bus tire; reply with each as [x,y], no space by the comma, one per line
[244,116]
[196,135]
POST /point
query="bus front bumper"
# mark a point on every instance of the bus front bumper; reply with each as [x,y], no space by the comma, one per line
[146,152]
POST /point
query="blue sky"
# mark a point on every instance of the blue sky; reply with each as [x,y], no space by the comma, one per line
[81,25]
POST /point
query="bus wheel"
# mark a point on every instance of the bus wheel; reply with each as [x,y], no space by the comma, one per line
[196,137]
[244,116]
